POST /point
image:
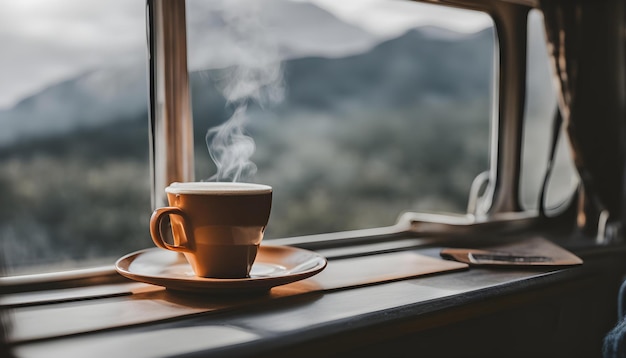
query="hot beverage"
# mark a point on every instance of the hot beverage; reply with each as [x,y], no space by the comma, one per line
[217,226]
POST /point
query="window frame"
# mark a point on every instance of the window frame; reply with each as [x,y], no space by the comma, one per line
[498,210]
[172,154]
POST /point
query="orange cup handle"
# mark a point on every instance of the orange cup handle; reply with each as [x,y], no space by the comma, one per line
[155,228]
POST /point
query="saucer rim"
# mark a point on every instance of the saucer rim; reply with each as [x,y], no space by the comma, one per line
[196,283]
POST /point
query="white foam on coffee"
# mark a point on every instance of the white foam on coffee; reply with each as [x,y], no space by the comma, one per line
[217,188]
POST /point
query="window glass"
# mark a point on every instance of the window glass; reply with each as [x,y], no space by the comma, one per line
[353,111]
[74,177]
[541,107]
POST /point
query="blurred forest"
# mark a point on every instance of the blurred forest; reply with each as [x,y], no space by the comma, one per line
[356,141]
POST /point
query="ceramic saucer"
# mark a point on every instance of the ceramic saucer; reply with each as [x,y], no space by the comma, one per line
[274,266]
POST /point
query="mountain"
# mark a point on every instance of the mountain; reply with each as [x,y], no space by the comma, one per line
[423,62]
[272,30]
[396,72]
[119,92]
[92,99]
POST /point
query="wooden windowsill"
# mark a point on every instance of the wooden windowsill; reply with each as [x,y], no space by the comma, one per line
[77,321]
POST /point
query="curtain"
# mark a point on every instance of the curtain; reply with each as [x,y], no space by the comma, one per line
[586,44]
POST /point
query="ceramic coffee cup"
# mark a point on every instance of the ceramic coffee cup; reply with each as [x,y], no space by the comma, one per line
[217,226]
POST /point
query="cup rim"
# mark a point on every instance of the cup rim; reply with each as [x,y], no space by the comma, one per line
[217,188]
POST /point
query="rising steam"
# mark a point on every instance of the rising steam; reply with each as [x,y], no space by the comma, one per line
[231,149]
[257,78]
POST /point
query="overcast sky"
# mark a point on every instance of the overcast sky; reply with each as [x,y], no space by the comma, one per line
[392,17]
[44,41]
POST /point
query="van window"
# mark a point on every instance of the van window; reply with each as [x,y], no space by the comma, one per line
[354,111]
[539,117]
